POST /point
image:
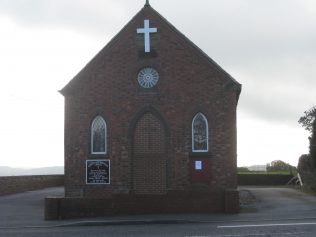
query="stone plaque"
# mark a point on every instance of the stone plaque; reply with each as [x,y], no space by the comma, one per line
[98,171]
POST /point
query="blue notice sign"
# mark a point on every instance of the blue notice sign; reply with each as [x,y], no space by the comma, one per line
[198,165]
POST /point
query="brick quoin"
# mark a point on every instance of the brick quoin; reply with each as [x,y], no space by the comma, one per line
[149,131]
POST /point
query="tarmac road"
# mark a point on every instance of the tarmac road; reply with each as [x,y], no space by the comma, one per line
[279,203]
[270,212]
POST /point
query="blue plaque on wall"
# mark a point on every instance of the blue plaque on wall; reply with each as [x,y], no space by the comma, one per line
[98,172]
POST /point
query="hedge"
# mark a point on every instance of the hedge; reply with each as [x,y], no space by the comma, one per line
[263,179]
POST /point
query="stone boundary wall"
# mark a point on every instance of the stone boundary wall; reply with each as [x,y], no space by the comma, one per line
[18,184]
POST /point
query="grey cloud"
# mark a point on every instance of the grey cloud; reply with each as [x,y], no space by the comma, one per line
[280,96]
[269,46]
[96,17]
[283,106]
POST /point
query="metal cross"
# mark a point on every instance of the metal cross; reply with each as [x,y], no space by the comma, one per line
[146,31]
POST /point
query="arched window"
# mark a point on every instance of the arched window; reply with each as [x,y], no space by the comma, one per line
[199,133]
[98,136]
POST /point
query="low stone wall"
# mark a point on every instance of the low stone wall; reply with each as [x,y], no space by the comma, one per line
[263,179]
[175,202]
[18,184]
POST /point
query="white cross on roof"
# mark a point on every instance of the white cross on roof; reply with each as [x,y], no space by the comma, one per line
[146,31]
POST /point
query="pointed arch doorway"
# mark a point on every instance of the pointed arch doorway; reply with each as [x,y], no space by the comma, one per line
[149,156]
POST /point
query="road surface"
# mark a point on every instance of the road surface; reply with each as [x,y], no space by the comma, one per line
[275,212]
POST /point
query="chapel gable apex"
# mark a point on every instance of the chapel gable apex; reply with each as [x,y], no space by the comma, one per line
[132,28]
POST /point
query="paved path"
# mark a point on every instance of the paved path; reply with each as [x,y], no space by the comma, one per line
[27,210]
[279,203]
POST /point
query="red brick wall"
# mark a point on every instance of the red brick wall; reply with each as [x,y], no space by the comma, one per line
[149,156]
[176,202]
[188,84]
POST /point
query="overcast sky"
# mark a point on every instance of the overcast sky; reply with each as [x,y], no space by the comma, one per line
[269,46]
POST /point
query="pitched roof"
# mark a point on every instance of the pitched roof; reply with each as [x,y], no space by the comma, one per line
[232,83]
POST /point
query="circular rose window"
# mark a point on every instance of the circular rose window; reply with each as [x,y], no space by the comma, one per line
[148,77]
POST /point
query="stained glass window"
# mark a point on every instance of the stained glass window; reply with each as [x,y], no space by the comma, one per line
[199,133]
[98,136]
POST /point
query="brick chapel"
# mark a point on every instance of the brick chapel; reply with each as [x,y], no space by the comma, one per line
[150,125]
